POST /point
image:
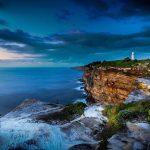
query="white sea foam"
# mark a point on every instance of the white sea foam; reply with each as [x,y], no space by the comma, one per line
[79,88]
[95,111]
[83,100]
[16,131]
[79,82]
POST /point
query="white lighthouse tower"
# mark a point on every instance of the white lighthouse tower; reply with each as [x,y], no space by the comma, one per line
[132,56]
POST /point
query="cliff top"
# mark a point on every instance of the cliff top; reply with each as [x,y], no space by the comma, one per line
[126,63]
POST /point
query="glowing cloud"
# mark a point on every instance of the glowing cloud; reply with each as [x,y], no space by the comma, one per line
[13,44]
[7,55]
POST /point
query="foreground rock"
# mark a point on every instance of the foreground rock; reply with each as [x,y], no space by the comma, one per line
[83,147]
[137,137]
[20,129]
[23,128]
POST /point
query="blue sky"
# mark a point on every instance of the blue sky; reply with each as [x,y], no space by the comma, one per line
[64,33]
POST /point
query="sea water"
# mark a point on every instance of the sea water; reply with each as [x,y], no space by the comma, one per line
[54,85]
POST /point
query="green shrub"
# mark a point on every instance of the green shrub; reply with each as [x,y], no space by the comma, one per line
[139,107]
[125,114]
[120,113]
[75,109]
[148,118]
[116,122]
[149,112]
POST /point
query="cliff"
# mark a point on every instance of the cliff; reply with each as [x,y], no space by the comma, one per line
[112,85]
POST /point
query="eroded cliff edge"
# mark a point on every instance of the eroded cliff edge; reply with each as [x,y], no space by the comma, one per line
[113,85]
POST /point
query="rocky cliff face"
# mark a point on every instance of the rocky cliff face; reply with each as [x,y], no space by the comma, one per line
[109,85]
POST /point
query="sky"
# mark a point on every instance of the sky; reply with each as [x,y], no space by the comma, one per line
[65,33]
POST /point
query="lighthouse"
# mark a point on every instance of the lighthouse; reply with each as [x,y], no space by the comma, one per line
[132,56]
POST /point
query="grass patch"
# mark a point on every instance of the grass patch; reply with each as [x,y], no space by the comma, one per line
[118,115]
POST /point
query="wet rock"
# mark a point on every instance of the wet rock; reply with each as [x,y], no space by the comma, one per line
[2,141]
[17,148]
[83,147]
[139,131]
[138,146]
[31,142]
[33,108]
[137,137]
[88,127]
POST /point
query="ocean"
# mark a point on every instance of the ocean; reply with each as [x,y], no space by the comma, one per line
[53,85]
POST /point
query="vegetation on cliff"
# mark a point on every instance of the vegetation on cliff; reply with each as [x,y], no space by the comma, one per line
[126,63]
[119,114]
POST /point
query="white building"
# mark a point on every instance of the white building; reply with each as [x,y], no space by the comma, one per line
[132,56]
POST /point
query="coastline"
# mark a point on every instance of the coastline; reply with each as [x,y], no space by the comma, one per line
[83,131]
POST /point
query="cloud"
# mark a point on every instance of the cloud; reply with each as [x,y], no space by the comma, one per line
[140,7]
[51,50]
[7,55]
[54,42]
[64,14]
[109,41]
[6,43]
[2,3]
[132,8]
[3,22]
[35,42]
[115,8]
[94,4]
[94,8]
[70,47]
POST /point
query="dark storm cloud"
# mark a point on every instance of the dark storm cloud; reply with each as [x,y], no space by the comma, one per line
[135,8]
[115,8]
[74,43]
[17,36]
[20,36]
[109,41]
[94,4]
[64,15]
[95,8]
[2,4]
[3,22]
